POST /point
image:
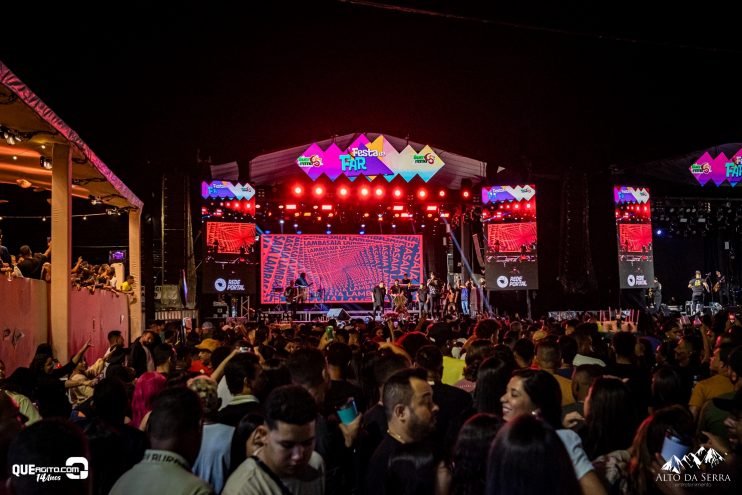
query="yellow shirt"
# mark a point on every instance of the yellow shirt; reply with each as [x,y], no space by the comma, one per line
[566,385]
[453,370]
[709,388]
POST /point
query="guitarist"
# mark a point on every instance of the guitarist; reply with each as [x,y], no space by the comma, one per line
[719,287]
[698,286]
[303,288]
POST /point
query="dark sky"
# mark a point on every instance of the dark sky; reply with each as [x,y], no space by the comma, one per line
[145,88]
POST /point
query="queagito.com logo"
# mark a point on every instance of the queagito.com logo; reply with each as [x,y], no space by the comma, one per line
[75,468]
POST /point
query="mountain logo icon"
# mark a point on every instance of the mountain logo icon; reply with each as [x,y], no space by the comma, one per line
[700,460]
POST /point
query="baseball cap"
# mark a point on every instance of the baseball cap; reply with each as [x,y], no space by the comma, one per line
[207,325]
[209,345]
[206,389]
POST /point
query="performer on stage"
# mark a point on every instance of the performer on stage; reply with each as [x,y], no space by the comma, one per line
[423,299]
[379,295]
[434,294]
[406,283]
[290,294]
[719,288]
[697,285]
[399,301]
[303,288]
[465,289]
[657,294]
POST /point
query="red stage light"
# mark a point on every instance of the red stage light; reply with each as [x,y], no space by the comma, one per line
[397,193]
[397,208]
[290,207]
[528,206]
[326,207]
[466,194]
[379,192]
[432,208]
[319,191]
[422,193]
[343,191]
[364,191]
[298,190]
[517,207]
[442,193]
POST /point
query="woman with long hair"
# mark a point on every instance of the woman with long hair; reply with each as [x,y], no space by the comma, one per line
[148,386]
[520,446]
[472,445]
[610,418]
[492,380]
[537,393]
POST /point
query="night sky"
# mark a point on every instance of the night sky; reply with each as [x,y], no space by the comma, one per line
[555,85]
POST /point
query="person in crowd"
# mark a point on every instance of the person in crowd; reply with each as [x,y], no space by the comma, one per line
[479,350]
[213,461]
[492,380]
[584,338]
[146,389]
[568,351]
[379,296]
[244,377]
[549,359]
[412,470]
[245,440]
[286,461]
[30,264]
[50,442]
[202,365]
[524,350]
[82,380]
[48,389]
[668,388]
[115,340]
[451,401]
[339,357]
[164,358]
[537,392]
[411,416]
[523,443]
[583,378]
[141,352]
[716,385]
[712,419]
[174,430]
[625,365]
[468,472]
[115,447]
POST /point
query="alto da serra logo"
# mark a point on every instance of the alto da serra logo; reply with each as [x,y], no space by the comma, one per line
[690,461]
[694,468]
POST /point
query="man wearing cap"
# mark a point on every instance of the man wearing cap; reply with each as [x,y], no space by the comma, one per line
[202,365]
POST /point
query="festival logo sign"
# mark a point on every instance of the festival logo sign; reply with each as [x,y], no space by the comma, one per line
[224,189]
[497,194]
[370,159]
[694,469]
[719,169]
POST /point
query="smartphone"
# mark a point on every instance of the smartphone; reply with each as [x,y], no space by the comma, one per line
[329,332]
[396,324]
[673,446]
[348,411]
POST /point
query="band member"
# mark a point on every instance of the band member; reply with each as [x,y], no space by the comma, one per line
[496,246]
[291,294]
[302,288]
[423,299]
[697,285]
[399,301]
[719,287]
[657,294]
[434,294]
[406,284]
[395,289]
[379,295]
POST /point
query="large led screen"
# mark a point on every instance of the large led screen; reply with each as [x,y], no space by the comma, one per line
[511,256]
[634,237]
[340,268]
[229,237]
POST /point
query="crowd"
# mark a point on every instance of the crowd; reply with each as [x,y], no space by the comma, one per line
[486,406]
[28,264]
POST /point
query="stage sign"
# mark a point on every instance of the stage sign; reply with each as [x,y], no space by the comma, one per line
[634,237]
[228,277]
[370,159]
[340,268]
[229,237]
[222,189]
[718,169]
[511,259]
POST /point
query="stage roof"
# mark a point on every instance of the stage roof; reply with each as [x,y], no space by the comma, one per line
[28,131]
[279,166]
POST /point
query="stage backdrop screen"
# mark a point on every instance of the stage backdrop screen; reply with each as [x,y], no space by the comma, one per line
[341,268]
[229,236]
[511,255]
[634,237]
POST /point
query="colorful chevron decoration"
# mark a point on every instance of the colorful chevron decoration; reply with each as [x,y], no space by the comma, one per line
[369,159]
[719,169]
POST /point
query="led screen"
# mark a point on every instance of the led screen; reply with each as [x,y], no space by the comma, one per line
[634,237]
[229,237]
[511,256]
[341,268]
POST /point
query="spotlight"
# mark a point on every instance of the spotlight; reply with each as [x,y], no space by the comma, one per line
[442,193]
[364,191]
[397,193]
[296,225]
[362,232]
[281,222]
[84,217]
[343,192]
[466,194]
[422,193]
[298,190]
[319,191]
[95,200]
[328,232]
[379,192]
[394,226]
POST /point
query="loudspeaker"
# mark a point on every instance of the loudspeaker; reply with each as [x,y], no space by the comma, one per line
[338,314]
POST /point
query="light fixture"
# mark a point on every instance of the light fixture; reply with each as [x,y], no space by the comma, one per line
[95,200]
[45,162]
[23,183]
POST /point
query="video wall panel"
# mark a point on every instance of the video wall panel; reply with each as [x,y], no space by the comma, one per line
[634,237]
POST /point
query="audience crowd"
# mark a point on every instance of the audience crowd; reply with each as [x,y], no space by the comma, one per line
[461,406]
